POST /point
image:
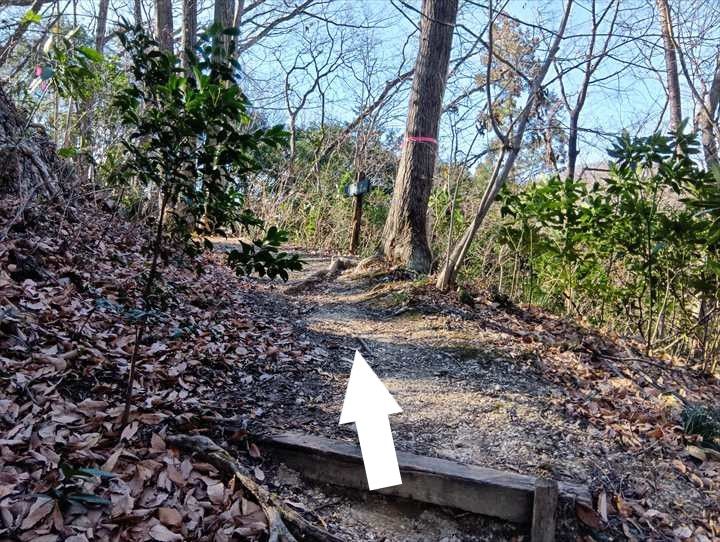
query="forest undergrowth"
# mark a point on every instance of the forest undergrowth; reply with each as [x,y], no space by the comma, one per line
[71,470]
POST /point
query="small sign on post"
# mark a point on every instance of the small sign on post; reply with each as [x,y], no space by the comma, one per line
[357,190]
[359,187]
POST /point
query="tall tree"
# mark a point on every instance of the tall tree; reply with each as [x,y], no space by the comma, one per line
[511,144]
[405,232]
[707,118]
[223,16]
[164,24]
[137,12]
[101,25]
[671,64]
[189,28]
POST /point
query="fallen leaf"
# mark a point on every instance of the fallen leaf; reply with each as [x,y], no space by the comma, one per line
[163,534]
[38,511]
[602,506]
[216,493]
[679,465]
[111,461]
[170,516]
[254,451]
[122,505]
[129,431]
[683,532]
[696,452]
[588,516]
[157,444]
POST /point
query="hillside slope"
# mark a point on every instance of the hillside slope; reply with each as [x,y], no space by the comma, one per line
[496,385]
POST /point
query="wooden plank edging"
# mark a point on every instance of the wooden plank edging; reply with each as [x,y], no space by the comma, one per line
[480,490]
[544,510]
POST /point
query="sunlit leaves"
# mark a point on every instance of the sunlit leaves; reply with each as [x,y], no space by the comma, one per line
[31,17]
[192,138]
[644,231]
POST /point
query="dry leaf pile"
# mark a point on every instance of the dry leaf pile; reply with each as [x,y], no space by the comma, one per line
[69,281]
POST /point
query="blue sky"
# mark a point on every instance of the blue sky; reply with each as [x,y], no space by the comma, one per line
[632,99]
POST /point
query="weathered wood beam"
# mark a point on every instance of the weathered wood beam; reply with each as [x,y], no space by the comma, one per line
[544,510]
[489,492]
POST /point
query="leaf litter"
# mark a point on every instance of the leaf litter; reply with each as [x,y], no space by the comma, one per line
[226,352]
[68,470]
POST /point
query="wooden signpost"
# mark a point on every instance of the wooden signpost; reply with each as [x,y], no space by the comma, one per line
[357,190]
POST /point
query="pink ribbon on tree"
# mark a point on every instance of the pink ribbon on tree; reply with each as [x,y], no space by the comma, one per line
[421,139]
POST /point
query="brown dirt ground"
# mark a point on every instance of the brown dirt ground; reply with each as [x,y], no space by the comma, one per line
[479,386]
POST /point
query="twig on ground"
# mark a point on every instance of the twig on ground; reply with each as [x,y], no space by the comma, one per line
[364,346]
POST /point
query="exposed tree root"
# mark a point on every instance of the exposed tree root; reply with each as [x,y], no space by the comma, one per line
[336,267]
[371,267]
[284,524]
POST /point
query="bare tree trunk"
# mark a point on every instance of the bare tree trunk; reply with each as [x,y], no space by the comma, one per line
[671,64]
[164,22]
[137,12]
[223,16]
[706,123]
[505,162]
[189,29]
[101,25]
[707,119]
[406,226]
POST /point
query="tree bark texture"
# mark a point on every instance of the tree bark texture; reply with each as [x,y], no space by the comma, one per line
[137,12]
[707,119]
[101,25]
[223,16]
[189,29]
[405,235]
[671,64]
[164,23]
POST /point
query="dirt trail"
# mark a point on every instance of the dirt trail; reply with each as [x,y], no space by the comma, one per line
[462,399]
[474,386]
[466,391]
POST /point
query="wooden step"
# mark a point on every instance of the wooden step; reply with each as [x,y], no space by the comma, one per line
[489,492]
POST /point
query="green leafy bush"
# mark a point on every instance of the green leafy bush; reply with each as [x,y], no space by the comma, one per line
[628,251]
[192,139]
[264,257]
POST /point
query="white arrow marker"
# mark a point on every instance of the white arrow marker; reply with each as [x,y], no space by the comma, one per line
[368,403]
